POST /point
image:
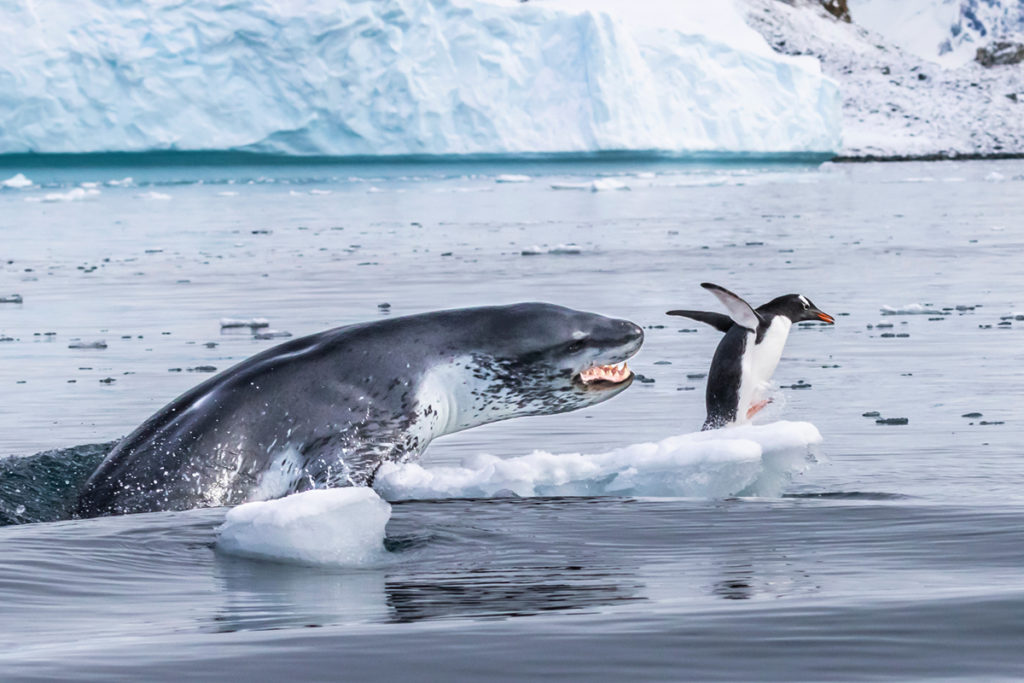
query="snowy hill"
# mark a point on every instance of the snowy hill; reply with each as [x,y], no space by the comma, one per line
[945,31]
[895,103]
[403,77]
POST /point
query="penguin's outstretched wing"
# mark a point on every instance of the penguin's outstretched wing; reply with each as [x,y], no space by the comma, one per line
[720,322]
[742,313]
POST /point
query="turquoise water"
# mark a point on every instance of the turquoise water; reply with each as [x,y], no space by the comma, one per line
[897,556]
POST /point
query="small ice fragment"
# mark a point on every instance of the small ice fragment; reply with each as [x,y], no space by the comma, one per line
[227,193]
[88,345]
[910,309]
[565,249]
[322,527]
[12,299]
[160,196]
[272,334]
[16,182]
[892,421]
[512,178]
[602,184]
[244,322]
[75,195]
[995,176]
[203,368]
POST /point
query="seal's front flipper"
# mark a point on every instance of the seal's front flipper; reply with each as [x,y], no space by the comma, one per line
[742,313]
[720,322]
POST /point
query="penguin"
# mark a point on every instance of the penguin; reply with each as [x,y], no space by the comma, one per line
[747,356]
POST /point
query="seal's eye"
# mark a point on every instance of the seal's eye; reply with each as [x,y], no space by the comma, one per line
[575,347]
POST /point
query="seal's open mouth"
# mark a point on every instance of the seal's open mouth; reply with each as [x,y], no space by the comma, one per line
[605,374]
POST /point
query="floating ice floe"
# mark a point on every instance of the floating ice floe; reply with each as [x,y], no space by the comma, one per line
[12,299]
[512,178]
[333,527]
[160,196]
[16,182]
[755,460]
[75,195]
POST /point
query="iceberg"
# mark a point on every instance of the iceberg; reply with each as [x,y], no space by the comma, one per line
[404,77]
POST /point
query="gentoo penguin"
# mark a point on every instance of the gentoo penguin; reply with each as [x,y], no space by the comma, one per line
[747,356]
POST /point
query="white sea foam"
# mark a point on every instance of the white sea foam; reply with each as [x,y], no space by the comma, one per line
[327,527]
[753,460]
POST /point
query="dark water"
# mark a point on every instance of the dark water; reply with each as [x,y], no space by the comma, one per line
[898,557]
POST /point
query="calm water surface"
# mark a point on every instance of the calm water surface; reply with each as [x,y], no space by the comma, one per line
[898,556]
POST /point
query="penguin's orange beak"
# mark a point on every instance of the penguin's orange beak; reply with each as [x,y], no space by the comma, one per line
[826,317]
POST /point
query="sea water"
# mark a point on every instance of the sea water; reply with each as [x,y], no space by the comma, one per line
[891,551]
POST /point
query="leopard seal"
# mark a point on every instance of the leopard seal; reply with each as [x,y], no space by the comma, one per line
[327,409]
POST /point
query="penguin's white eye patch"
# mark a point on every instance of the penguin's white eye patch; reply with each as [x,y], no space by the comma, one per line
[806,303]
[579,334]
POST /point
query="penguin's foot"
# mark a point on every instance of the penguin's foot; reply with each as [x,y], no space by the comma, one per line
[757,407]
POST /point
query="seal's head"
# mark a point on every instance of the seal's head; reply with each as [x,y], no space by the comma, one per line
[538,359]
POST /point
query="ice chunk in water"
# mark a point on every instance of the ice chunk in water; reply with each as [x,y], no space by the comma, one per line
[332,527]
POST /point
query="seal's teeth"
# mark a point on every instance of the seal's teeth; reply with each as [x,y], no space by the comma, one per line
[615,373]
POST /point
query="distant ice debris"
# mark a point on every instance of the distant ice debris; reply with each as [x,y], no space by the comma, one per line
[755,460]
[911,309]
[160,196]
[340,527]
[598,185]
[557,250]
[87,345]
[271,334]
[12,299]
[512,178]
[254,323]
[75,195]
[16,182]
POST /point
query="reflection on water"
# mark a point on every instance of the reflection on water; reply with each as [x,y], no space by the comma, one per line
[261,595]
[525,591]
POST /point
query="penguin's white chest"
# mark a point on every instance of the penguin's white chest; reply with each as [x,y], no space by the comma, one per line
[759,364]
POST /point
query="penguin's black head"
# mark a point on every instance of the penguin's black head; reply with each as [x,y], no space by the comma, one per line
[797,308]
